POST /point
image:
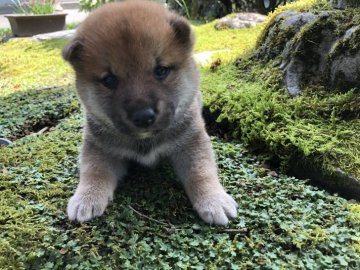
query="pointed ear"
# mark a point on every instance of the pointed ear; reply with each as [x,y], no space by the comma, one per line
[182,31]
[72,51]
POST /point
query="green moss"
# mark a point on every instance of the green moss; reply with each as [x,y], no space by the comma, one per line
[351,45]
[235,41]
[296,6]
[282,221]
[314,125]
[320,126]
[24,112]
[26,64]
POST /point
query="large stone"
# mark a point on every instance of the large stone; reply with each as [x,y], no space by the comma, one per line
[318,55]
[65,34]
[343,4]
[281,32]
[344,60]
[321,48]
[240,20]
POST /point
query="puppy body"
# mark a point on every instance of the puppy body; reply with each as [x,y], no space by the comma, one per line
[138,83]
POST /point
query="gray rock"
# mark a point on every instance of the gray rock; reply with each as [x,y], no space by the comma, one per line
[314,48]
[343,4]
[55,35]
[4,141]
[240,20]
[297,20]
[278,37]
[345,65]
[293,77]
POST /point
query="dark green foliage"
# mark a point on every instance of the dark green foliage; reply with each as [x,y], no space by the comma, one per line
[282,223]
[24,112]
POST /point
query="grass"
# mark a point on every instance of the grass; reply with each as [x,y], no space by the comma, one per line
[283,222]
[236,42]
[5,32]
[26,64]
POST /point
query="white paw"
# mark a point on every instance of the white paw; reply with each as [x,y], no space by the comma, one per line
[216,208]
[84,206]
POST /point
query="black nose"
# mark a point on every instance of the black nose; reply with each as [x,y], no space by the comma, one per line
[143,118]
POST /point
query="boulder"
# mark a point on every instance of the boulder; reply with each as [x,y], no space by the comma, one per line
[343,4]
[240,20]
[316,56]
[321,48]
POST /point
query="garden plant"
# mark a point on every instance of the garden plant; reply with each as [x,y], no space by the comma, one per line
[35,6]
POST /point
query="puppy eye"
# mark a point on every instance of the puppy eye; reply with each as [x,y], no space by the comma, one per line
[161,72]
[110,81]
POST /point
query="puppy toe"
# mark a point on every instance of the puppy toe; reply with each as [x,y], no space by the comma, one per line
[83,208]
[231,208]
[217,209]
[213,216]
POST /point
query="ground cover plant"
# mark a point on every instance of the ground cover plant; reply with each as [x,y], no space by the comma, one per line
[34,110]
[283,221]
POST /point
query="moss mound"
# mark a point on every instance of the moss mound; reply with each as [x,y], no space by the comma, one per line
[314,134]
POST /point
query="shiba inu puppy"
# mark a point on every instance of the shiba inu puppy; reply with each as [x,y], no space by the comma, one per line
[138,84]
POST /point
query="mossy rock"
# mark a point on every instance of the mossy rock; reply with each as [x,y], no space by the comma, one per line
[312,131]
[314,48]
[343,4]
[318,128]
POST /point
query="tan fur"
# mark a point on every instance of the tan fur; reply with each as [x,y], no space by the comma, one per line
[129,40]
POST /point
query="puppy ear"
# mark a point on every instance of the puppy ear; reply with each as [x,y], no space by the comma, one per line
[182,31]
[71,52]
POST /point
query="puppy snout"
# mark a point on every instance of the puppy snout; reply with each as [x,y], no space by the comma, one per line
[143,118]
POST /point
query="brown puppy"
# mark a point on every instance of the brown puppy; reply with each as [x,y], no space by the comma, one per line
[138,83]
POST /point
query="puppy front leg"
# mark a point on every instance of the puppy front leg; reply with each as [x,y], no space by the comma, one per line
[195,166]
[98,179]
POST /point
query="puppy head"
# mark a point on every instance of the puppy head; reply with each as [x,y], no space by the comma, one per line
[134,66]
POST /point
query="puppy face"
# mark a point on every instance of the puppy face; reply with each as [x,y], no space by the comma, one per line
[134,67]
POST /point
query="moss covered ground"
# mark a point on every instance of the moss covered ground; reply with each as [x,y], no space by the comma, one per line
[283,223]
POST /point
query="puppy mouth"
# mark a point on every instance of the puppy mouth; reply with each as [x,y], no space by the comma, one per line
[145,135]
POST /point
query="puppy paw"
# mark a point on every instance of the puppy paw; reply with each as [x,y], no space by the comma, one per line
[217,208]
[84,206]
